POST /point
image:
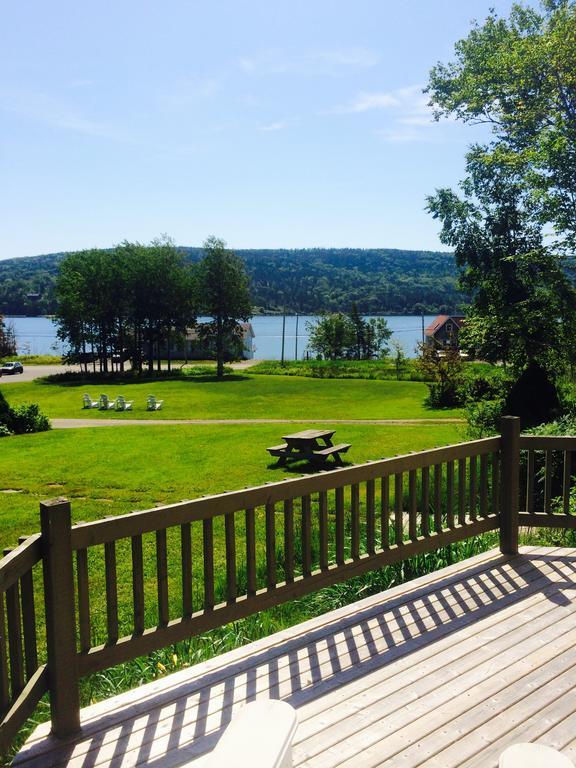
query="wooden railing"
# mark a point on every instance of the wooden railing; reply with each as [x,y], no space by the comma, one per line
[200,564]
[23,680]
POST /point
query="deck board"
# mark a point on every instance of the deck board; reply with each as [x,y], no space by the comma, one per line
[443,671]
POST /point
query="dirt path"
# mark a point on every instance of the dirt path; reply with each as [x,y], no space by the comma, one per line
[77,423]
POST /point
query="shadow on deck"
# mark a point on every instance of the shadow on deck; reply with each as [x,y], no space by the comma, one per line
[446,670]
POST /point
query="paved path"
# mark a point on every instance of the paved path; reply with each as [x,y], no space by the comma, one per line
[127,422]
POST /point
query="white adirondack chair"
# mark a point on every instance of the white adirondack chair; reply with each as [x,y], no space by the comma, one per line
[122,404]
[105,404]
[153,404]
[88,402]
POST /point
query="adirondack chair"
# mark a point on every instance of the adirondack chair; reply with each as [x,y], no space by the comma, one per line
[87,402]
[122,404]
[152,404]
[105,404]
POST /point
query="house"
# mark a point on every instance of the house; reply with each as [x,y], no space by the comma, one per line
[444,330]
[193,347]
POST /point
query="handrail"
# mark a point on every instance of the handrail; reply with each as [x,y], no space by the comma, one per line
[223,557]
[23,681]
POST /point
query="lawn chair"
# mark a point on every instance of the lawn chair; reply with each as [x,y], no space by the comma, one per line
[152,404]
[87,402]
[106,405]
[122,404]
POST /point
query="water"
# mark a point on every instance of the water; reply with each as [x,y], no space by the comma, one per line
[37,335]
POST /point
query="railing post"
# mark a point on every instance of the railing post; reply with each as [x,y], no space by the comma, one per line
[510,484]
[56,522]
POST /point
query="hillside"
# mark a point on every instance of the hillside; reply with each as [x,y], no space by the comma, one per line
[304,280]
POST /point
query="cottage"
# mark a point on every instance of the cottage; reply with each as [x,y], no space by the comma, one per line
[193,347]
[444,331]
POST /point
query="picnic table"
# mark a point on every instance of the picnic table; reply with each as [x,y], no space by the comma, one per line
[313,445]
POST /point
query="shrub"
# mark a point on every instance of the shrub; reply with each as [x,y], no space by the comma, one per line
[28,418]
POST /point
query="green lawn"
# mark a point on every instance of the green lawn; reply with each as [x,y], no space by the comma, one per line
[240,396]
[110,470]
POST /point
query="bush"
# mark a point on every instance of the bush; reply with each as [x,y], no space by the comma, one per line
[28,418]
[484,417]
[4,431]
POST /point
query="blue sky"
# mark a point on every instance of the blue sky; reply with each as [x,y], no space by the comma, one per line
[270,123]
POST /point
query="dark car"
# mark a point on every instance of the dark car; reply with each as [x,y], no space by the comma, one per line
[8,368]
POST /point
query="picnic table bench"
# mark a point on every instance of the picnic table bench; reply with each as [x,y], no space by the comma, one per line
[314,445]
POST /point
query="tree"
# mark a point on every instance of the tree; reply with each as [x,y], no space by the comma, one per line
[519,76]
[331,336]
[400,358]
[223,294]
[522,302]
[7,339]
[336,336]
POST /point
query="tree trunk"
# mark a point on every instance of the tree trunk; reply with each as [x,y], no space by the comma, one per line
[219,348]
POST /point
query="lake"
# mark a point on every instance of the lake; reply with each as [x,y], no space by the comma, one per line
[37,335]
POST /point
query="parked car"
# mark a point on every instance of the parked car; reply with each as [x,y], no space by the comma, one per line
[8,368]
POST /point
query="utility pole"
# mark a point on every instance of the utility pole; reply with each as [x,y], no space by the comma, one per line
[296,345]
[283,335]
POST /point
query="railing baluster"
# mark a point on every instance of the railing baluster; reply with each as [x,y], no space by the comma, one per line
[111,591]
[530,475]
[425,479]
[289,539]
[566,483]
[323,528]
[385,511]
[208,558]
[339,499]
[495,483]
[438,498]
[483,485]
[270,545]
[412,506]
[461,491]
[370,518]
[14,618]
[4,689]
[250,551]
[355,521]
[548,482]
[398,511]
[137,583]
[230,538]
[306,533]
[450,494]
[162,576]
[473,488]
[186,558]
[28,619]
[83,599]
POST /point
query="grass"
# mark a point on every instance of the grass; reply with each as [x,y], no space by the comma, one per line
[239,397]
[111,470]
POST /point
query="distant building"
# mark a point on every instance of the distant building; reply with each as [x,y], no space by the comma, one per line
[444,331]
[192,347]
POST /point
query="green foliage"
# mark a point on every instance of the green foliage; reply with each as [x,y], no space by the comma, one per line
[339,369]
[306,281]
[123,303]
[28,418]
[7,340]
[224,294]
[523,307]
[21,419]
[445,372]
[337,336]
[519,75]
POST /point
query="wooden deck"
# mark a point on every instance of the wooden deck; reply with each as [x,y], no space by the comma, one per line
[443,671]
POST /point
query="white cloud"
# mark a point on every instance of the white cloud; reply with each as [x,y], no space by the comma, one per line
[323,62]
[277,126]
[408,102]
[45,109]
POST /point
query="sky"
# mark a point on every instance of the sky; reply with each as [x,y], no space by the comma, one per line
[268,123]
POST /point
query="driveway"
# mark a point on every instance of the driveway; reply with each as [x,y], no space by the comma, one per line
[32,372]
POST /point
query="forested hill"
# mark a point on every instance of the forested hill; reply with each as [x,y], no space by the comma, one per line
[305,280]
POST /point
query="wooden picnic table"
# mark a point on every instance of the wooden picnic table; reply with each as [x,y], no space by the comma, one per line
[313,445]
